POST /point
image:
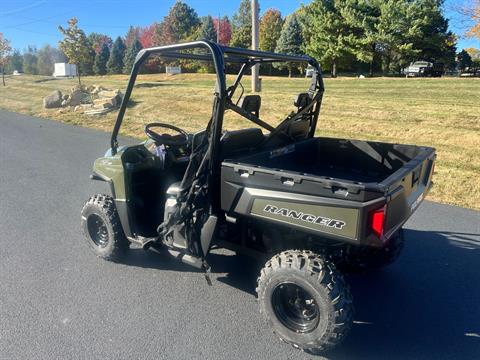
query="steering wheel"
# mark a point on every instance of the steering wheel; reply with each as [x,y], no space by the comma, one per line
[166,139]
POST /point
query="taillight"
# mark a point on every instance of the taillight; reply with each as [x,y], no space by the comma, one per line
[377,221]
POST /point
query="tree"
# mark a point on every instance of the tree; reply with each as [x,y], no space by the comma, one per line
[147,36]
[290,41]
[47,56]
[180,24]
[16,61]
[242,25]
[133,34]
[75,45]
[464,60]
[30,60]
[271,25]
[5,50]
[333,36]
[242,37]
[475,55]
[101,58]
[115,61]
[243,15]
[473,11]
[225,32]
[130,56]
[207,29]
[433,40]
[97,40]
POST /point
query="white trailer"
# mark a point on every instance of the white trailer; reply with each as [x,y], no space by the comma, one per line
[65,70]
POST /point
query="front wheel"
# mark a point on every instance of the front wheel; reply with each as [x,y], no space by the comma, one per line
[102,228]
[305,300]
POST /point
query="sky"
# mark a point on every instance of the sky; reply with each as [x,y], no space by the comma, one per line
[35,22]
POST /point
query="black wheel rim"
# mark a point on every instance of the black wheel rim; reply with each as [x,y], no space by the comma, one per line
[97,230]
[295,307]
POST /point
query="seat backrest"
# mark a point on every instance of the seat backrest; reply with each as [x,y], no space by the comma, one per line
[251,104]
[302,101]
[239,141]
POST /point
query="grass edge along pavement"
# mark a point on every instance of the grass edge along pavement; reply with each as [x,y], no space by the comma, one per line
[443,113]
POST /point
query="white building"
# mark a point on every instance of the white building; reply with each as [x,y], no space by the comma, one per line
[64,69]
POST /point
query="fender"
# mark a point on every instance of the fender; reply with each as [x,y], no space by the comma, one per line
[110,169]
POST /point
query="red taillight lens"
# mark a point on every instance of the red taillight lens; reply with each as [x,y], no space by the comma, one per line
[377,220]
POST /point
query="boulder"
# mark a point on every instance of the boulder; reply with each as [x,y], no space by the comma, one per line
[76,97]
[54,100]
[64,102]
[103,103]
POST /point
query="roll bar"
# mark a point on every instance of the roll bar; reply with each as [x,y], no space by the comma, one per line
[220,55]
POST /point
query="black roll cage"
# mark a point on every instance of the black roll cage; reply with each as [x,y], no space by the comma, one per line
[221,55]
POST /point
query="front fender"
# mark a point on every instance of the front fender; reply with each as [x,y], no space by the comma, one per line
[110,169]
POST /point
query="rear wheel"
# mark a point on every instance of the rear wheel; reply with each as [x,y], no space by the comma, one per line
[102,228]
[366,258]
[305,300]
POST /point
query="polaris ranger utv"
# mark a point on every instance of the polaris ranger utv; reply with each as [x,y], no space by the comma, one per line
[314,206]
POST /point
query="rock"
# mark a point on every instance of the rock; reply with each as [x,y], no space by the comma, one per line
[103,103]
[54,100]
[96,89]
[65,96]
[108,93]
[77,108]
[76,97]
[64,102]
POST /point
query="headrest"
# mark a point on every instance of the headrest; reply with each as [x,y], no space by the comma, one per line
[251,104]
[302,101]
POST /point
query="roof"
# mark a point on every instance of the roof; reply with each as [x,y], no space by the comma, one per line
[229,54]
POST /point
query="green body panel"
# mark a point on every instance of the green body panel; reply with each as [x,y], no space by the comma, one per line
[110,168]
[327,219]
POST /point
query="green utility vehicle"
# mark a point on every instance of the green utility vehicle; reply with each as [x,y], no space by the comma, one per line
[314,206]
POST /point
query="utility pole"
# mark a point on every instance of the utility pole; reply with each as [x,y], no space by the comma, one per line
[255,36]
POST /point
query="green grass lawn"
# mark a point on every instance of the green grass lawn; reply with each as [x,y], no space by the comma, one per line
[443,113]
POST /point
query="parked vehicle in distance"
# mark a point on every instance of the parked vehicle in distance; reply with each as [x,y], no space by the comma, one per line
[424,69]
[308,208]
[471,71]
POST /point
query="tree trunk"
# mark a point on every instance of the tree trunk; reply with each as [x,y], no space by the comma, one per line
[289,72]
[373,60]
[78,75]
[334,69]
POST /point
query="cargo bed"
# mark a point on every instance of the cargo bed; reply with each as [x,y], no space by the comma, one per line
[336,173]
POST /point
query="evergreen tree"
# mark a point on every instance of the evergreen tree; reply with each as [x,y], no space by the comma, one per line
[270,29]
[180,24]
[75,45]
[464,60]
[101,59]
[242,37]
[133,34]
[207,30]
[290,41]
[243,15]
[332,36]
[130,55]
[115,60]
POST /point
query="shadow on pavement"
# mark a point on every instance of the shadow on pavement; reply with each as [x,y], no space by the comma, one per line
[426,305]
